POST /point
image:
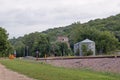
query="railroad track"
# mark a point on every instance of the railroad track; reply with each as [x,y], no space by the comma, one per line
[77,57]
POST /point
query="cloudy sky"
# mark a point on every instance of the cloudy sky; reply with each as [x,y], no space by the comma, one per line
[21,17]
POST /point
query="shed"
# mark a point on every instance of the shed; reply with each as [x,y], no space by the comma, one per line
[88,43]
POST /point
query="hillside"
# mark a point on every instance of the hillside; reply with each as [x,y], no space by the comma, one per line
[105,32]
[109,24]
[61,31]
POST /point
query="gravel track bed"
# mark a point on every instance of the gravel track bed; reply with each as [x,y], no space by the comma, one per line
[101,64]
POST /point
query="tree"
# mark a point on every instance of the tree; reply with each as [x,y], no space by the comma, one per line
[63,48]
[105,40]
[55,49]
[9,49]
[93,29]
[43,45]
[3,41]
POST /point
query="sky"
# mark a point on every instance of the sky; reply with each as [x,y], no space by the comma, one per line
[20,17]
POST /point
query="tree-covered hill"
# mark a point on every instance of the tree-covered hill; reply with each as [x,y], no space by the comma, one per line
[105,32]
[111,23]
[61,31]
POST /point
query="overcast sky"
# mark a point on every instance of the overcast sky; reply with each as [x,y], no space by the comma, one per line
[21,17]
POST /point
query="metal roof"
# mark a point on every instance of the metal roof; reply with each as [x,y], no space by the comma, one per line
[87,41]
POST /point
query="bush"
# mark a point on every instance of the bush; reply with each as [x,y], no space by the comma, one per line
[89,52]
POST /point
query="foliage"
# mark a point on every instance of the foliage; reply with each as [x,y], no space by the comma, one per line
[105,32]
[105,40]
[55,49]
[61,49]
[19,46]
[84,49]
[29,44]
[5,46]
[88,53]
[37,42]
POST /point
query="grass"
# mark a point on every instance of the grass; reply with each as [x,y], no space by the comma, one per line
[41,71]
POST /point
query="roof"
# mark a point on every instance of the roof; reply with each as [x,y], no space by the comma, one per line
[87,41]
[84,41]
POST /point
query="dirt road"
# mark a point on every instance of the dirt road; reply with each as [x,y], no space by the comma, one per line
[6,74]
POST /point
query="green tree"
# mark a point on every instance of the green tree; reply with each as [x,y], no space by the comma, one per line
[44,45]
[55,49]
[3,41]
[105,40]
[65,51]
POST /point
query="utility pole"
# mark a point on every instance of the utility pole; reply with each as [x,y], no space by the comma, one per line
[27,50]
[24,52]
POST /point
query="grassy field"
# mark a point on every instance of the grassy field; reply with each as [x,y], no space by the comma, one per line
[41,71]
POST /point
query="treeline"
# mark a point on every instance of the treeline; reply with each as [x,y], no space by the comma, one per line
[34,43]
[105,33]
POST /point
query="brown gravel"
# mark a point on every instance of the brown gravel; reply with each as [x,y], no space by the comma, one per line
[6,74]
[101,64]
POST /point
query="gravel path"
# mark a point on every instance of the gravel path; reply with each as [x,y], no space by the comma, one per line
[6,74]
[102,64]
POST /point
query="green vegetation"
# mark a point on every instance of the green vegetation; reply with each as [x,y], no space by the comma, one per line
[5,47]
[105,33]
[29,44]
[105,41]
[60,49]
[85,51]
[43,71]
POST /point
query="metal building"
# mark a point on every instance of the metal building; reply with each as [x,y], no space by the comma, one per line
[90,46]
